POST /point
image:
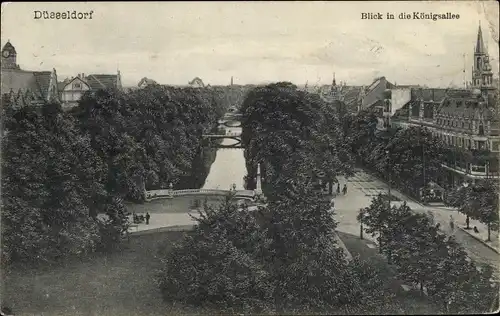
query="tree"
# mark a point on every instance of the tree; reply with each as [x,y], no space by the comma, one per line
[282,123]
[375,218]
[483,198]
[51,187]
[459,285]
[463,199]
[412,161]
[478,201]
[305,255]
[360,130]
[219,264]
[416,252]
[151,137]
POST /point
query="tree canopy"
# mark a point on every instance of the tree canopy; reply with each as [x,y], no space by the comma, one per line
[66,173]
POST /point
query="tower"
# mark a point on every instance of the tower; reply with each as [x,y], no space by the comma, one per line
[482,75]
[231,80]
[9,55]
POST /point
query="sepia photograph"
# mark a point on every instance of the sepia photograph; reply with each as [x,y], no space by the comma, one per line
[249,158]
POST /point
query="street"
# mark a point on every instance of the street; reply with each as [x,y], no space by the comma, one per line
[363,187]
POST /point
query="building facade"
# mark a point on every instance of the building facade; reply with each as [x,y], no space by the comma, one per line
[466,120]
[71,90]
[21,87]
[349,96]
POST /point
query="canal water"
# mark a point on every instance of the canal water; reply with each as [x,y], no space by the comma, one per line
[229,166]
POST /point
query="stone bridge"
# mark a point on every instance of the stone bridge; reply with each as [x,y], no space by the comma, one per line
[212,140]
[169,194]
[230,123]
[235,116]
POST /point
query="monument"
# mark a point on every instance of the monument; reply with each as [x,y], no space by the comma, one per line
[258,188]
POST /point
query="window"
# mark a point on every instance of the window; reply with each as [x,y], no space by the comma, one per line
[77,85]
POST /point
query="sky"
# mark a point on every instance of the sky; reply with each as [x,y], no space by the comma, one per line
[255,42]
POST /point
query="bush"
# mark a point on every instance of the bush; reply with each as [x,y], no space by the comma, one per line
[216,265]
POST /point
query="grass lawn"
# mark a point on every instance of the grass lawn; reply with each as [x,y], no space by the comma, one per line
[121,283]
[411,301]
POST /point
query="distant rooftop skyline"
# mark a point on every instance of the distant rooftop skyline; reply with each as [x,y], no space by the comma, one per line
[253,42]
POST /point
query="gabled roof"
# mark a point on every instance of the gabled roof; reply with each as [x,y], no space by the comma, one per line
[61,85]
[147,80]
[352,93]
[467,104]
[377,103]
[9,47]
[196,80]
[375,91]
[37,82]
[97,82]
[42,79]
[428,94]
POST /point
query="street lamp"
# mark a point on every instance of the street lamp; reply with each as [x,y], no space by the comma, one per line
[466,185]
[389,172]
[361,218]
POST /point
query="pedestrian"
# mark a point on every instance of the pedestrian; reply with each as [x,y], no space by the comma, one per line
[338,188]
[344,190]
[476,230]
[452,223]
[147,218]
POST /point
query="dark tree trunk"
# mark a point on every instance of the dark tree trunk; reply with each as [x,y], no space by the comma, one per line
[489,232]
[380,243]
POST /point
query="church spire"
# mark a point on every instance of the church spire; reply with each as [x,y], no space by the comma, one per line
[480,44]
[482,76]
[333,82]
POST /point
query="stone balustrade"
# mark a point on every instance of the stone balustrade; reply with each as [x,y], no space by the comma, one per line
[166,193]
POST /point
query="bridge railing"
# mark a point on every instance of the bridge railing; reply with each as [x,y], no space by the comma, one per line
[172,193]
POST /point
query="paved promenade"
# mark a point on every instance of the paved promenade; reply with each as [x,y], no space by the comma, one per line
[363,187]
